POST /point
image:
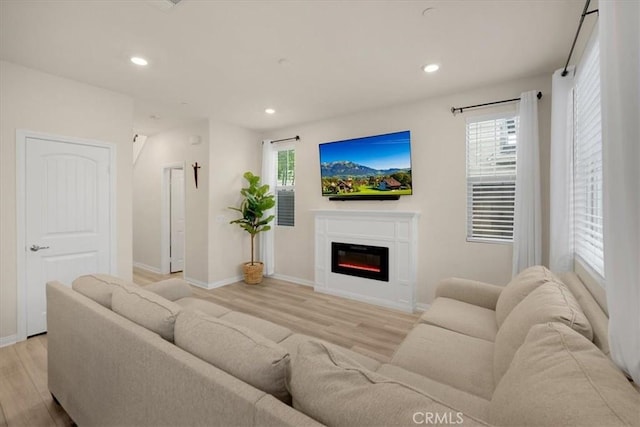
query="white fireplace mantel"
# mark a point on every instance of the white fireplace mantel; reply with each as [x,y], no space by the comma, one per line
[397,230]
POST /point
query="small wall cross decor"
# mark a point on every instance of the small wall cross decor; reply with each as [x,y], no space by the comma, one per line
[195,172]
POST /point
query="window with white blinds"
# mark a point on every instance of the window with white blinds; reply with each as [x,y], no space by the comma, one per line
[587,179]
[491,177]
[285,187]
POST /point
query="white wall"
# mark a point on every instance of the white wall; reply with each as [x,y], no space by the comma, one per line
[160,150]
[40,102]
[232,151]
[215,250]
[439,180]
[138,145]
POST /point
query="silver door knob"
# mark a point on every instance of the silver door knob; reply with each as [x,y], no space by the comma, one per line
[36,248]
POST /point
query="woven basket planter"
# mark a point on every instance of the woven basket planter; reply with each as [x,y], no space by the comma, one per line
[253,273]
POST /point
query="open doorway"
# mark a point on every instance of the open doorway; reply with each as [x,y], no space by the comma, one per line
[176,221]
[173,224]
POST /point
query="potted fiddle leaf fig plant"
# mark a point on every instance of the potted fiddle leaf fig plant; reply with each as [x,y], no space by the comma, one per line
[255,203]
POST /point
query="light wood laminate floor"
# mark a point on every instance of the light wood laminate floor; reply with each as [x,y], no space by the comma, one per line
[370,330]
[24,397]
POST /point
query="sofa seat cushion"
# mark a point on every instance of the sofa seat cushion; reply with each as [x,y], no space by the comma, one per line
[448,357]
[558,377]
[146,309]
[269,330]
[99,287]
[468,403]
[462,317]
[519,287]
[292,343]
[206,307]
[550,302]
[336,391]
[236,350]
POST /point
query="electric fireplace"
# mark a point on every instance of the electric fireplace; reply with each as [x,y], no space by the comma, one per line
[371,262]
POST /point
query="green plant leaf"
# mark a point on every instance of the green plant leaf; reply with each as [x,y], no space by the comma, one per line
[256,201]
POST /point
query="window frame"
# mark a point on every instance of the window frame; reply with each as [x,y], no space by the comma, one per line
[277,188]
[583,183]
[469,180]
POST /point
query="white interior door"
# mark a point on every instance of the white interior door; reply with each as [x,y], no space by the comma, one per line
[177,220]
[67,218]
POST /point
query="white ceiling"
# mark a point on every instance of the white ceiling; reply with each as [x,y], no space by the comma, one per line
[309,60]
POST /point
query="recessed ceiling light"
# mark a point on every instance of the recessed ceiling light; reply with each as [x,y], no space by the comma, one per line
[270,111]
[430,68]
[139,61]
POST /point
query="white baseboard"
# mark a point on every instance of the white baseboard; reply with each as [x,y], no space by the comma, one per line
[236,279]
[146,267]
[196,282]
[421,306]
[213,285]
[291,279]
[225,282]
[10,340]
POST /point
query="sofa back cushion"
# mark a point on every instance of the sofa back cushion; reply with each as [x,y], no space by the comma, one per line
[558,377]
[236,350]
[591,306]
[146,309]
[99,287]
[172,289]
[550,302]
[518,289]
[336,391]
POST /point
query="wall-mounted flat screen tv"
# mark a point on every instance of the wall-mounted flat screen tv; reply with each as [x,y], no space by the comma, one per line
[368,167]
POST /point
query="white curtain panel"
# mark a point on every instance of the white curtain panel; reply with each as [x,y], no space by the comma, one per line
[620,86]
[561,172]
[268,176]
[527,233]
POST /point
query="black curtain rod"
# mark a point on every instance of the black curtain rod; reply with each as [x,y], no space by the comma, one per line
[461,109]
[297,138]
[575,39]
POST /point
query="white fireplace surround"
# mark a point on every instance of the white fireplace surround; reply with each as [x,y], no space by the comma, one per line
[396,230]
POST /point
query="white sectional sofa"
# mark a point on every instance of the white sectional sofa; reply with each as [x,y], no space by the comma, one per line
[531,353]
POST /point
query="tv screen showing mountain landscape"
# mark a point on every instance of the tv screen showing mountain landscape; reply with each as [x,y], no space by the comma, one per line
[372,165]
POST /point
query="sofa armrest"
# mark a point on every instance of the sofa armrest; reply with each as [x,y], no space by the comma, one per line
[470,291]
[171,289]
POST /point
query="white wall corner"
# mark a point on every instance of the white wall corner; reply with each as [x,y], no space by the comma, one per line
[213,285]
[146,267]
[138,144]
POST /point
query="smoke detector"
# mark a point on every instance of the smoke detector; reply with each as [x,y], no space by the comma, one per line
[163,4]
